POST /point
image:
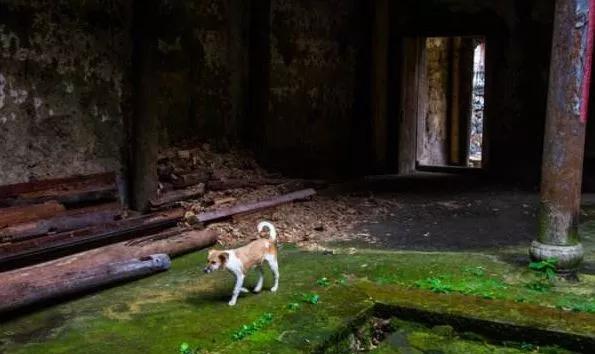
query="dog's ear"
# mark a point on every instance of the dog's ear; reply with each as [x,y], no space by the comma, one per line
[223,257]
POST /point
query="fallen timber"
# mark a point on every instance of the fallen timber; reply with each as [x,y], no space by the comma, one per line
[252,207]
[21,214]
[30,290]
[76,182]
[69,220]
[96,268]
[54,246]
[69,191]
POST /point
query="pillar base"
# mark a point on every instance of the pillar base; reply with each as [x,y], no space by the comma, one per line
[569,257]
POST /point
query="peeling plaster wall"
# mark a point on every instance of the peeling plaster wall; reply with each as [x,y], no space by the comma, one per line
[62,70]
[312,83]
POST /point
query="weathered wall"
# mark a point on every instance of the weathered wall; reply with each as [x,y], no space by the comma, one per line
[434,145]
[62,82]
[314,48]
[197,61]
[64,65]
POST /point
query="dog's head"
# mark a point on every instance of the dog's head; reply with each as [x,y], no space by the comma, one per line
[216,260]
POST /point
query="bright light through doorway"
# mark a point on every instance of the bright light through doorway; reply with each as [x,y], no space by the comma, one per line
[477,105]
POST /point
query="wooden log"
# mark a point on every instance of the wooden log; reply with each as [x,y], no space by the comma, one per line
[53,246]
[74,182]
[159,236]
[190,179]
[36,250]
[70,197]
[252,207]
[28,288]
[220,185]
[176,196]
[21,214]
[176,244]
[69,220]
[60,275]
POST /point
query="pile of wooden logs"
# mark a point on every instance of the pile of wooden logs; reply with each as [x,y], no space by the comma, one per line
[39,214]
[86,239]
[36,208]
[49,219]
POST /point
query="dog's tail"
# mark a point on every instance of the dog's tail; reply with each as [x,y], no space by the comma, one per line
[270,227]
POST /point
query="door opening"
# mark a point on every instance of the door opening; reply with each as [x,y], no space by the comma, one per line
[450,102]
[477,105]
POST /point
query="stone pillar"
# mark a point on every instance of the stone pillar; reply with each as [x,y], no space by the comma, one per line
[144,131]
[564,141]
[379,99]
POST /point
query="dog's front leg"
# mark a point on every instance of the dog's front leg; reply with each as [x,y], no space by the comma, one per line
[237,288]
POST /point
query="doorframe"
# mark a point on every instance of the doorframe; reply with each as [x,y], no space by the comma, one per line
[412,107]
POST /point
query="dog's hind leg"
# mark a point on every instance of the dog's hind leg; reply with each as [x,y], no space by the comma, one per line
[237,288]
[260,281]
[272,261]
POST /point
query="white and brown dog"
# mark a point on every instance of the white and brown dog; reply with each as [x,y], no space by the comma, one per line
[240,260]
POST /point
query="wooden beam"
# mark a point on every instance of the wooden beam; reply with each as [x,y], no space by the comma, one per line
[53,246]
[252,207]
[218,185]
[21,214]
[177,196]
[76,182]
[69,220]
[70,197]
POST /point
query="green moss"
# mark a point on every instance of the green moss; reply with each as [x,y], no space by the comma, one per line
[411,337]
[157,314]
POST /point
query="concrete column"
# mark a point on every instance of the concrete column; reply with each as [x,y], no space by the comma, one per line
[564,141]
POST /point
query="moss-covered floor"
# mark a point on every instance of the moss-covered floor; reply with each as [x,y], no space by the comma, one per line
[159,313]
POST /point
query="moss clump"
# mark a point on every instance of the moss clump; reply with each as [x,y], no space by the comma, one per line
[250,329]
